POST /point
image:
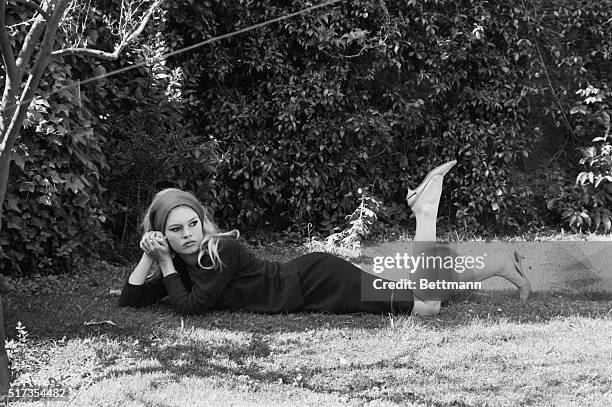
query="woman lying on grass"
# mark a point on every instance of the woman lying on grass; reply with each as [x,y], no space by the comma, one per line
[204,269]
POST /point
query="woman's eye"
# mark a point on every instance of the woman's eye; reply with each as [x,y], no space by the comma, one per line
[174,230]
[194,223]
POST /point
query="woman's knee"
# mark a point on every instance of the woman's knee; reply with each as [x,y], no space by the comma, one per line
[426,308]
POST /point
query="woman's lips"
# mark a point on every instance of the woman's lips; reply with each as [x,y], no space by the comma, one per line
[188,244]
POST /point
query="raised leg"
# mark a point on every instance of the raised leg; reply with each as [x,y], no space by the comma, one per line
[499,264]
[426,211]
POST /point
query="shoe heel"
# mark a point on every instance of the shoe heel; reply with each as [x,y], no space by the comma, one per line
[440,170]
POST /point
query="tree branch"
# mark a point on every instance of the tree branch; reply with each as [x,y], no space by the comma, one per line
[119,48]
[35,7]
[36,73]
[89,52]
[144,22]
[29,44]
[5,47]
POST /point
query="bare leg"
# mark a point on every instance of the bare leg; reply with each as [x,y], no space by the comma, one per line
[499,265]
[426,212]
[496,265]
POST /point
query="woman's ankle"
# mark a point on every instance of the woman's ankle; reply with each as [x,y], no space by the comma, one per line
[428,199]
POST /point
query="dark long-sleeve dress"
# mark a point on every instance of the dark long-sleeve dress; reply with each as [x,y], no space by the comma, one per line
[313,282]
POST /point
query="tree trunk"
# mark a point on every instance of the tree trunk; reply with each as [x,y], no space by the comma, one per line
[5,160]
[10,126]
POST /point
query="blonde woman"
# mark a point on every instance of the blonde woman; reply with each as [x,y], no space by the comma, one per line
[200,268]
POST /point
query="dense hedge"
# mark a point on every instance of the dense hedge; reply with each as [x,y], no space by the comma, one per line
[279,127]
[53,211]
[376,93]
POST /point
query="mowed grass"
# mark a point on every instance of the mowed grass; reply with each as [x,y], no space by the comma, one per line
[484,349]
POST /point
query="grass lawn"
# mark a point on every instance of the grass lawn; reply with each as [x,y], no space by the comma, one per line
[484,349]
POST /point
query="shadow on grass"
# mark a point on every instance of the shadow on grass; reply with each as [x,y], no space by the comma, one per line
[180,361]
[56,315]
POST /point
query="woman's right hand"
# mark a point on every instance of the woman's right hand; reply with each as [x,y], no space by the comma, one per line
[149,241]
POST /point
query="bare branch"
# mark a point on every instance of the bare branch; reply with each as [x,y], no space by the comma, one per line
[35,7]
[5,47]
[89,52]
[29,44]
[119,48]
[21,23]
[144,22]
[47,43]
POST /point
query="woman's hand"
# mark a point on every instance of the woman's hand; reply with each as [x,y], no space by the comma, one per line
[154,244]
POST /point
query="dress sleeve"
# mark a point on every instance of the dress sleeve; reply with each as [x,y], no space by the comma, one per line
[208,285]
[141,295]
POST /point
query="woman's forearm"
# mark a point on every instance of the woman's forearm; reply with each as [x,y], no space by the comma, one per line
[167,267]
[139,275]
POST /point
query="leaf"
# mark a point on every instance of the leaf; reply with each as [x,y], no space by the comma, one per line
[586,218]
[92,37]
[580,110]
[574,219]
[589,151]
[81,136]
[593,99]
[45,200]
[18,160]
[26,187]
[12,204]
[600,179]
[81,200]
[607,224]
[597,220]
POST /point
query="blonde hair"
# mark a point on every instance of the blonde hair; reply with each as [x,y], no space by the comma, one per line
[211,232]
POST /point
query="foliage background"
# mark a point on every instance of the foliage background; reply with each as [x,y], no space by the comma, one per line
[278,128]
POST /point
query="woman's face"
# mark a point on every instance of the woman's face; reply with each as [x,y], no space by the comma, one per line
[184,230]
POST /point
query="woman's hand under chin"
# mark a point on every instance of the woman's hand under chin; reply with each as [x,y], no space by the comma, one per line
[155,245]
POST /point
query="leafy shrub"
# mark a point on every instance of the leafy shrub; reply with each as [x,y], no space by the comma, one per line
[593,209]
[274,126]
[17,350]
[362,222]
[52,213]
[378,93]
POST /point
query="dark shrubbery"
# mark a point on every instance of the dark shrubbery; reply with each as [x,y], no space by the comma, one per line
[377,93]
[53,212]
[279,127]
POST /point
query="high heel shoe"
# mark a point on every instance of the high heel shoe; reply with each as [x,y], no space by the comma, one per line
[525,289]
[441,170]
